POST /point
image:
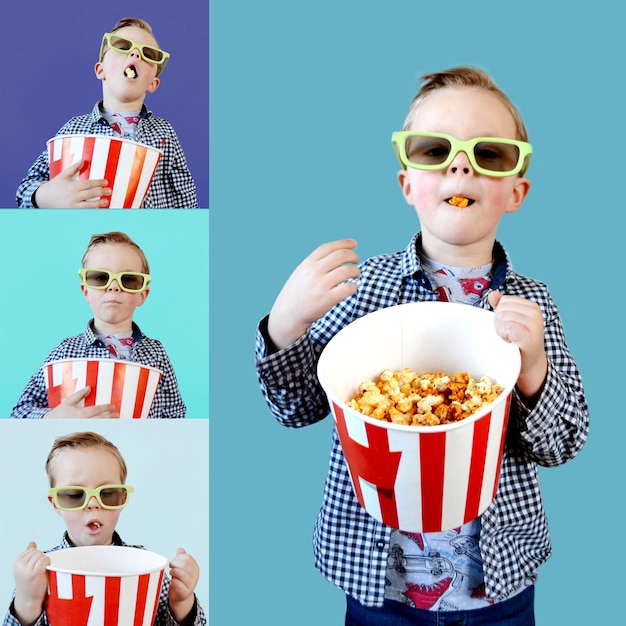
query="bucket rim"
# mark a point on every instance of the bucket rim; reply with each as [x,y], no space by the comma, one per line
[161,561]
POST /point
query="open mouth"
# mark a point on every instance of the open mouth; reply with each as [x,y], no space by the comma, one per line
[460,201]
[131,72]
[94,525]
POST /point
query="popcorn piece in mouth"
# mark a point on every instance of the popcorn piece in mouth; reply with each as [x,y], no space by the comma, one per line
[459,201]
[130,72]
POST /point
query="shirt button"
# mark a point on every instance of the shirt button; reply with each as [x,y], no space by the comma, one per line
[380,544]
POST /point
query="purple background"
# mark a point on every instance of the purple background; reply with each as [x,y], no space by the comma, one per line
[47,55]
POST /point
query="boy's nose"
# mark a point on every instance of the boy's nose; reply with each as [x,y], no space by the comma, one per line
[460,163]
[93,503]
[134,53]
[114,286]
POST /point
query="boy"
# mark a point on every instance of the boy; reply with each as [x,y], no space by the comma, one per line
[129,67]
[115,278]
[88,460]
[464,154]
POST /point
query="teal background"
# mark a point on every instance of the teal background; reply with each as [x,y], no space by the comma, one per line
[304,98]
[41,303]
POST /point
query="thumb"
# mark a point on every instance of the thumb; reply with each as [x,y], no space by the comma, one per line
[72,170]
[180,551]
[31,545]
[494,297]
[76,397]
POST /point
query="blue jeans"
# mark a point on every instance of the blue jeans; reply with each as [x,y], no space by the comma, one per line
[516,611]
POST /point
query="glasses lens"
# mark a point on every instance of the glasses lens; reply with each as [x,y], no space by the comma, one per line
[427,150]
[132,281]
[120,43]
[113,496]
[97,278]
[152,54]
[496,156]
[71,498]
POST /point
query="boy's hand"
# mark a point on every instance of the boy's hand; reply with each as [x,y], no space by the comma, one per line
[64,193]
[185,574]
[31,584]
[315,286]
[520,321]
[69,408]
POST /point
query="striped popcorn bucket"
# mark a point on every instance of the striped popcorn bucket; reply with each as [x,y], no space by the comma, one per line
[103,586]
[128,166]
[421,478]
[129,386]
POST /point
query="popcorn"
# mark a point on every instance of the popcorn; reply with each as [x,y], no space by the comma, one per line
[459,201]
[130,72]
[406,397]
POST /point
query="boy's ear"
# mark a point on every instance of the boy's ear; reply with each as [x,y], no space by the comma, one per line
[153,86]
[518,195]
[51,501]
[99,70]
[405,185]
[144,294]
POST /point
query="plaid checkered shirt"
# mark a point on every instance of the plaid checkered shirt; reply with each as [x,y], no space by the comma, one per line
[172,186]
[351,547]
[163,615]
[168,403]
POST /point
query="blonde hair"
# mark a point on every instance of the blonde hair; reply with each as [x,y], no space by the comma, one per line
[82,440]
[116,237]
[464,77]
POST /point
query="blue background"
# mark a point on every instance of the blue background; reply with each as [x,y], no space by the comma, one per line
[304,98]
[47,54]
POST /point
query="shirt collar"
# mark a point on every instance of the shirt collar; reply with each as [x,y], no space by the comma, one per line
[92,338]
[66,542]
[502,268]
[97,113]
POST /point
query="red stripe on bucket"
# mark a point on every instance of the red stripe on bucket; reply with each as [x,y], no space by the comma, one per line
[67,611]
[56,165]
[66,155]
[135,175]
[117,391]
[142,385]
[91,380]
[502,440]
[67,386]
[88,147]
[142,596]
[115,147]
[112,587]
[432,463]
[477,466]
[374,463]
[156,597]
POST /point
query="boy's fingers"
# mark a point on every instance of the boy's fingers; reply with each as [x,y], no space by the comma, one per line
[76,397]
[73,169]
[494,297]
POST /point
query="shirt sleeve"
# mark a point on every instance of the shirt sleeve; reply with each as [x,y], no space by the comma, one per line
[179,179]
[33,402]
[165,618]
[168,402]
[173,186]
[38,174]
[554,429]
[288,380]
